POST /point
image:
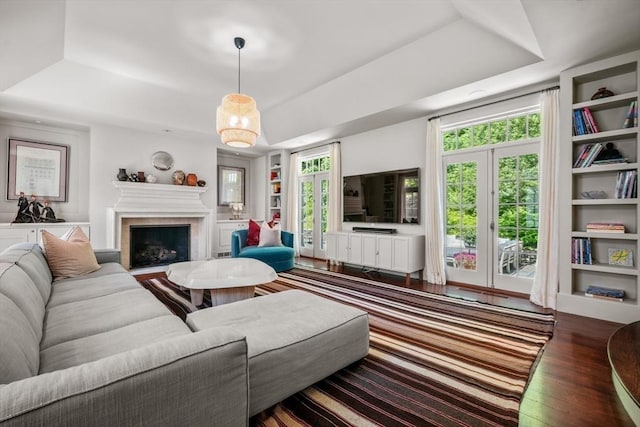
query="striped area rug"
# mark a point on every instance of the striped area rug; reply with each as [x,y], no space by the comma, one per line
[433,359]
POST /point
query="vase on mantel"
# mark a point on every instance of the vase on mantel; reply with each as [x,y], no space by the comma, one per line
[122,175]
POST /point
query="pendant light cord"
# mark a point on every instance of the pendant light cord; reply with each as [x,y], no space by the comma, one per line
[239,70]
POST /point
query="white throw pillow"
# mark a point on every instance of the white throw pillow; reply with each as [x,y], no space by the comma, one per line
[270,236]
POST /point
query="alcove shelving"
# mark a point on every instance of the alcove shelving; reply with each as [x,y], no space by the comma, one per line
[610,184]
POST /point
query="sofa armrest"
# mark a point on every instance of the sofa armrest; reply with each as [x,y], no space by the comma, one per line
[107,255]
[196,379]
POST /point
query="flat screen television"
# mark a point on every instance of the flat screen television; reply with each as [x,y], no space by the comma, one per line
[383,197]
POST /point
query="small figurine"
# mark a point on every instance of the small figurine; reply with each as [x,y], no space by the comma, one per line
[23,209]
[48,215]
[34,209]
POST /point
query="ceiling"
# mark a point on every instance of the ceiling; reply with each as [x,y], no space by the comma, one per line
[318,69]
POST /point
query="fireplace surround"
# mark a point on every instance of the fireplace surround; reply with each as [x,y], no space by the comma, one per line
[144,204]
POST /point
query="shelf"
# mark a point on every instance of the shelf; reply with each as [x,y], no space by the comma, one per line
[612,236]
[609,102]
[600,202]
[605,168]
[606,268]
[607,135]
[626,300]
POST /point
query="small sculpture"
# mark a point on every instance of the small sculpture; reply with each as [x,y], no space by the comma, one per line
[48,215]
[23,209]
[34,208]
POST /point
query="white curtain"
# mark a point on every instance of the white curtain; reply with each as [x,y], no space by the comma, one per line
[292,202]
[545,283]
[334,216]
[434,239]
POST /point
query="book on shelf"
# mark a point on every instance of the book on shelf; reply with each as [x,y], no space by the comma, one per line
[626,185]
[602,292]
[610,161]
[583,122]
[605,227]
[581,250]
[587,155]
[631,118]
[587,294]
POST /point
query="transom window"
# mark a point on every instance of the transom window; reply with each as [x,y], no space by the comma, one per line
[507,129]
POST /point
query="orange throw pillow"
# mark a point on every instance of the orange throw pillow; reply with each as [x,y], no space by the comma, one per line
[253,234]
[70,256]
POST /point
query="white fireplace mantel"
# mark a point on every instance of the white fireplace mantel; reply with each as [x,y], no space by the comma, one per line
[141,195]
[145,200]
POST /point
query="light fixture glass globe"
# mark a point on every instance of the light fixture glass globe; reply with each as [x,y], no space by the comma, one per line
[238,120]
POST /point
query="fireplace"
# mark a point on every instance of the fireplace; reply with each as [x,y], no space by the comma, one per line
[152,245]
[159,205]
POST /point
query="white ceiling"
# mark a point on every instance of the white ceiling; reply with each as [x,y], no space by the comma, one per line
[318,69]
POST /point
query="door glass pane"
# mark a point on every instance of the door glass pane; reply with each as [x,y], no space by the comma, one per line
[517,215]
[306,229]
[461,215]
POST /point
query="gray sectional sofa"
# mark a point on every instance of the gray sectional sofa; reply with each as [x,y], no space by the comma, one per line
[101,350]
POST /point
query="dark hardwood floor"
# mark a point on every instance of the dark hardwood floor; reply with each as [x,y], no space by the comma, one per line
[571,385]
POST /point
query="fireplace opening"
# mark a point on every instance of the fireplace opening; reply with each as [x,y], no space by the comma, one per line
[152,245]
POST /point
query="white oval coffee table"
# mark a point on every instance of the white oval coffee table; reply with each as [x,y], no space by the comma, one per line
[227,279]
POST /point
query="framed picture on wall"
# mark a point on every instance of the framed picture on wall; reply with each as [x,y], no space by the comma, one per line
[39,168]
[230,185]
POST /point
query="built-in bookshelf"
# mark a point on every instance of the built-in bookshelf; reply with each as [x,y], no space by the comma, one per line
[598,156]
[276,170]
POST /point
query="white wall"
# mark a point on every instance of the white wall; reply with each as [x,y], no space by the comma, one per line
[115,147]
[259,183]
[400,146]
[77,207]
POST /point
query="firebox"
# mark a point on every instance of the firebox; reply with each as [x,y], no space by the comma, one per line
[152,245]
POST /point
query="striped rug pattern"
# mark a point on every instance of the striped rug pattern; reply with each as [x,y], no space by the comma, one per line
[433,359]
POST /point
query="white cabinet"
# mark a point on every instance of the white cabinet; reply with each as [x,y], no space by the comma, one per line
[32,232]
[401,253]
[225,228]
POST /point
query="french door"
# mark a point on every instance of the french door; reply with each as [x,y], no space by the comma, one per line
[491,216]
[313,196]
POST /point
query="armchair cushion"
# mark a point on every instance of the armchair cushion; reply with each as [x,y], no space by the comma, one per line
[253,233]
[270,235]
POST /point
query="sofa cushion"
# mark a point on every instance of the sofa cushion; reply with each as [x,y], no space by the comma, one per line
[94,347]
[96,315]
[16,285]
[69,258]
[110,279]
[29,257]
[19,355]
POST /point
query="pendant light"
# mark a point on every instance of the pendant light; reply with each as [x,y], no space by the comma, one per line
[238,119]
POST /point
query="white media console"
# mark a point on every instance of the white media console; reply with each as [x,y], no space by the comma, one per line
[403,253]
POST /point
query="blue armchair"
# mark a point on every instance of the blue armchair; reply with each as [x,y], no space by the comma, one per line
[281,258]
